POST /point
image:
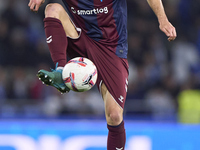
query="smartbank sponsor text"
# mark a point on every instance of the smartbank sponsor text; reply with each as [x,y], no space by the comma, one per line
[90,12]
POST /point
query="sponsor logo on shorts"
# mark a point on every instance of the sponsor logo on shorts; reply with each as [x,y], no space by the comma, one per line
[121,98]
[91,11]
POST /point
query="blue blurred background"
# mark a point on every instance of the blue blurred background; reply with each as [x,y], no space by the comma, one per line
[162,108]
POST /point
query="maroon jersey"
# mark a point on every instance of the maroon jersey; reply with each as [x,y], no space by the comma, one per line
[105,21]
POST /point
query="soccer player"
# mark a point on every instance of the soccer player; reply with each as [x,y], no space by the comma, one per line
[96,29]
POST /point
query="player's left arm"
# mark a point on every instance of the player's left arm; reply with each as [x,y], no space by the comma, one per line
[164,24]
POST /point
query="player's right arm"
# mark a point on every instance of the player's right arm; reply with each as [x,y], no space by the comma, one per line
[35,4]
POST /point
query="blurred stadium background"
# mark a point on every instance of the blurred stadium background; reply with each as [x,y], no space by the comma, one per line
[163,103]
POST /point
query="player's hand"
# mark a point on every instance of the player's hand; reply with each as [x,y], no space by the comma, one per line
[35,4]
[168,29]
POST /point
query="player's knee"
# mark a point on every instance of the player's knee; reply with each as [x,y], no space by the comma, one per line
[53,10]
[114,117]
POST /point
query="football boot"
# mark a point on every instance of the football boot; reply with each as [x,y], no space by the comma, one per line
[53,78]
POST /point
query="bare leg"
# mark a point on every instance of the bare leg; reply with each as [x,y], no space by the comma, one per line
[56,10]
[114,118]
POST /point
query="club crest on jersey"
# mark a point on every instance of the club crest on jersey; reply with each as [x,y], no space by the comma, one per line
[91,11]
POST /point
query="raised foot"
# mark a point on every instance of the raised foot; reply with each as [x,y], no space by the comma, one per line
[53,79]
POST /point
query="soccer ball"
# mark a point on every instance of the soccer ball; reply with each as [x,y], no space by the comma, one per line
[79,74]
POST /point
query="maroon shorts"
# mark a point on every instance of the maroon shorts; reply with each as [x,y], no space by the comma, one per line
[112,70]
